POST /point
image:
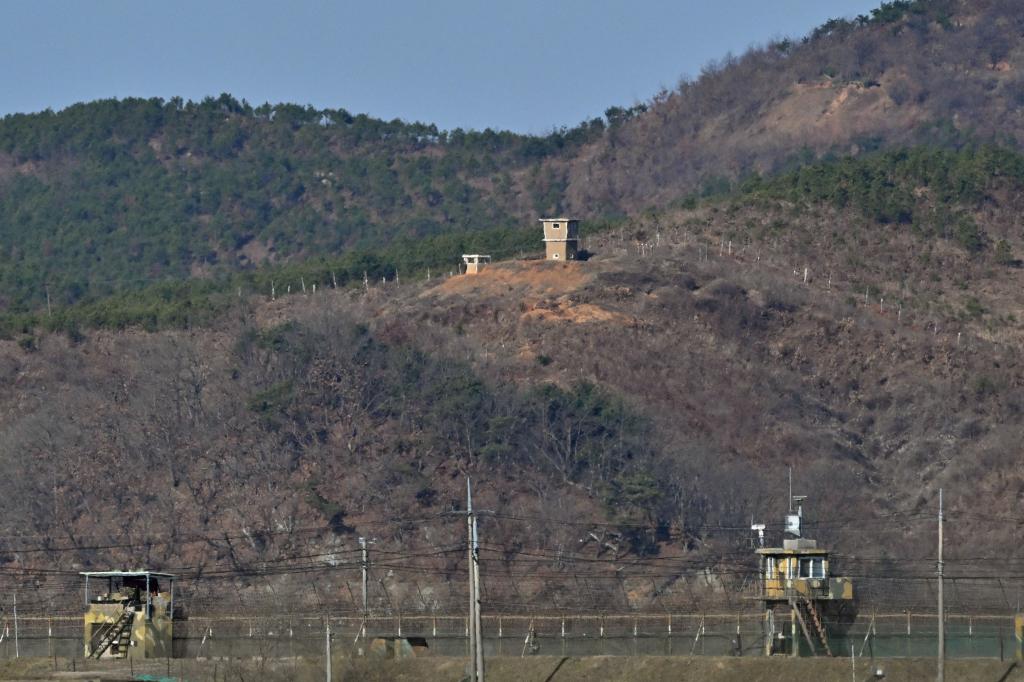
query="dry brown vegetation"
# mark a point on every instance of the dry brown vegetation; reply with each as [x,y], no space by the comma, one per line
[626,417]
[948,73]
[202,189]
[551,668]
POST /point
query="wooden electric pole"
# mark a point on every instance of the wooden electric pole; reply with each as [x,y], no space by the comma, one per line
[17,642]
[470,623]
[366,568]
[477,621]
[327,652]
[476,644]
[941,675]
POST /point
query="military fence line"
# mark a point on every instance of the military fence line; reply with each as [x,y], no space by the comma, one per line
[892,635]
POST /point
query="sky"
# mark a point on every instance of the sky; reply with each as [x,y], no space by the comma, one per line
[523,65]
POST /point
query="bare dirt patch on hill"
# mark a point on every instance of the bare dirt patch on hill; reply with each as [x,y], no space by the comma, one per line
[564,311]
[539,277]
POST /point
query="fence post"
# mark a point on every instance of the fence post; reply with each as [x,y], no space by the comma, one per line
[871,641]
[698,638]
[908,634]
[17,646]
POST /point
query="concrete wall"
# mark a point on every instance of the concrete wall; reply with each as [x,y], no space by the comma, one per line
[560,250]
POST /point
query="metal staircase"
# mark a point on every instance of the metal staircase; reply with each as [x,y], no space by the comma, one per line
[805,606]
[113,634]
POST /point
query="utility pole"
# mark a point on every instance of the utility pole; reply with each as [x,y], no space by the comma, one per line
[364,545]
[366,568]
[473,674]
[17,646]
[476,618]
[327,666]
[941,675]
[476,645]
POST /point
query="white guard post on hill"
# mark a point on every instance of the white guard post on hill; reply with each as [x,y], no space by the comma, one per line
[475,262]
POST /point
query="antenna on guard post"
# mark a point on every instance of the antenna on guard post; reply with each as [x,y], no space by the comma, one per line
[759,527]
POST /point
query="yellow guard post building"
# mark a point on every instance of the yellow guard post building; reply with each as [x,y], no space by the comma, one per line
[796,578]
[128,614]
[561,238]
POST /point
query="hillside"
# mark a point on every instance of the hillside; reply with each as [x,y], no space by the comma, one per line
[106,196]
[110,196]
[624,417]
[233,339]
[937,72]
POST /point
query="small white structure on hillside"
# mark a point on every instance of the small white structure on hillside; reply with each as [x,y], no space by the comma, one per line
[475,262]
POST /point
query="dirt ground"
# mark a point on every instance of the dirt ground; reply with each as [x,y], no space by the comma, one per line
[525,278]
[539,669]
[678,669]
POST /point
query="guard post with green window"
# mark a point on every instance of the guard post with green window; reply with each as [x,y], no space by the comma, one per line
[797,578]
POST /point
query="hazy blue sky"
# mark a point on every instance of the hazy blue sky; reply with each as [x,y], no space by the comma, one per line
[525,65]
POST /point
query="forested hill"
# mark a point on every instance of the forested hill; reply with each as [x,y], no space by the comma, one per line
[934,72]
[850,308]
[108,196]
[103,194]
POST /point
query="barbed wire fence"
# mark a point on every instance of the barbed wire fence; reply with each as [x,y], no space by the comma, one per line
[891,635]
[535,599]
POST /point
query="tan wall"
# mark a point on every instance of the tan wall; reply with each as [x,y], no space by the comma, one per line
[566,229]
[561,250]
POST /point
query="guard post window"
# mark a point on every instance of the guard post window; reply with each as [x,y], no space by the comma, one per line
[812,567]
